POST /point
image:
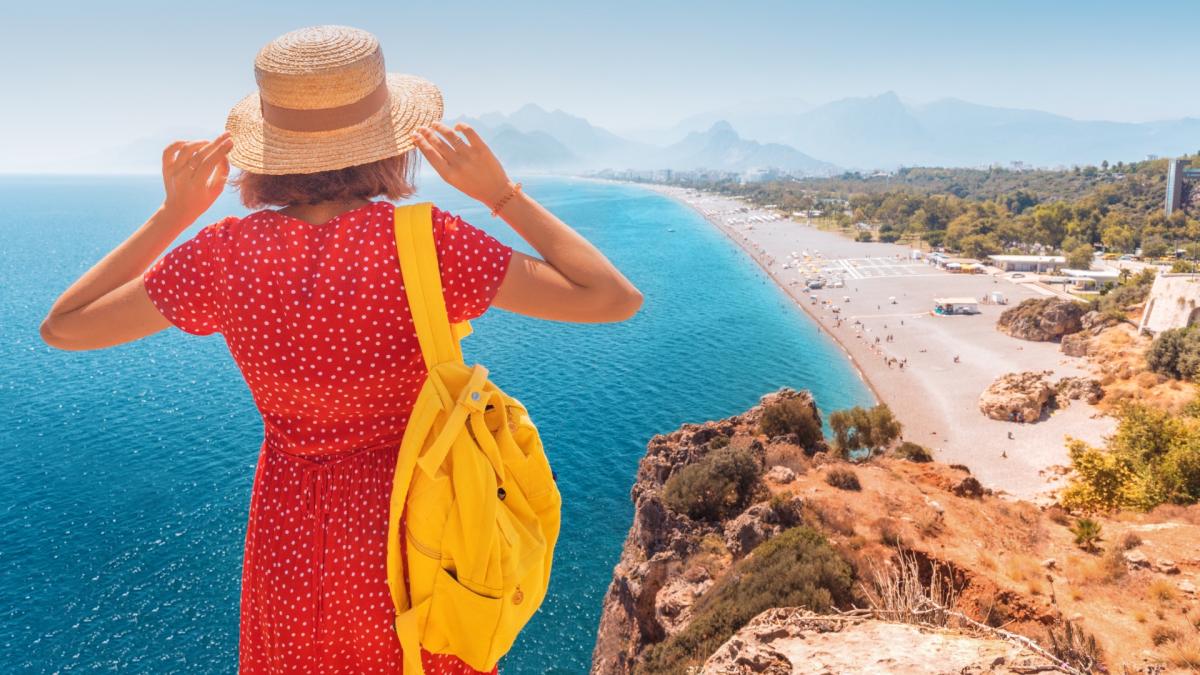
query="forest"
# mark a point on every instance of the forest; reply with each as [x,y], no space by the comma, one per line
[1116,208]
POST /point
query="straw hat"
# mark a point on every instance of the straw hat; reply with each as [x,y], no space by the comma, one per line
[325,102]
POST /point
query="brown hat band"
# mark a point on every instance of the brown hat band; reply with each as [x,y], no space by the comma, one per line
[326,119]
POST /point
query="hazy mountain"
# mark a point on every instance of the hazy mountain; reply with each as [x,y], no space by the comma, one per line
[720,147]
[883,131]
[523,149]
[592,145]
[763,120]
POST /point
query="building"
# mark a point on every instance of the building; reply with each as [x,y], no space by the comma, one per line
[1174,185]
[1093,279]
[947,306]
[1173,303]
[1028,263]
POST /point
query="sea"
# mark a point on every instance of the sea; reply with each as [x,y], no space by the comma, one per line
[125,473]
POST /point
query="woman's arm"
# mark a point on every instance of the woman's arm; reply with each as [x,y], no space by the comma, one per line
[108,305]
[573,281]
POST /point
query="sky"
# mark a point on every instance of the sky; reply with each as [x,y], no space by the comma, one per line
[89,80]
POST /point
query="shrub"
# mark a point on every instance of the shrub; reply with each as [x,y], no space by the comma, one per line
[914,452]
[792,416]
[1087,533]
[716,487]
[796,568]
[842,479]
[858,429]
[1176,353]
[718,442]
[1152,459]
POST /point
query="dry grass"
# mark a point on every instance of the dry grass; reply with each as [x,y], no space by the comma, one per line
[1128,540]
[833,516]
[1022,569]
[1183,653]
[1161,591]
[898,594]
[890,532]
[1161,633]
[787,454]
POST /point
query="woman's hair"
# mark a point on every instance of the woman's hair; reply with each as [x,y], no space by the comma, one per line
[392,177]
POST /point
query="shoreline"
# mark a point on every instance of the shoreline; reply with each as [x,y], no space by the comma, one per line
[758,260]
[950,360]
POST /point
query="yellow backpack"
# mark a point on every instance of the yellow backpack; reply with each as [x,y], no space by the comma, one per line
[482,504]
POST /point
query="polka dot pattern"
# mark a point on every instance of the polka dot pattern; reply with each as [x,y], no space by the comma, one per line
[316,319]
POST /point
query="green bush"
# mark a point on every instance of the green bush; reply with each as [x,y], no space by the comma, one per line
[864,236]
[843,479]
[797,568]
[716,487]
[1176,353]
[1152,459]
[858,429]
[792,416]
[1087,533]
[914,452]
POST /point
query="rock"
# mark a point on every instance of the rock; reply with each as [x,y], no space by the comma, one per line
[1165,566]
[1084,389]
[1017,397]
[1075,344]
[968,487]
[1094,322]
[673,602]
[759,523]
[780,474]
[1042,319]
[633,614]
[791,640]
[1050,563]
[1187,586]
[1136,559]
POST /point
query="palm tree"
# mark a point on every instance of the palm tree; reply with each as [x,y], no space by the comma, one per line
[1087,533]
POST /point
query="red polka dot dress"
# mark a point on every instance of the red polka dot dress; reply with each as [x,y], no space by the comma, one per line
[316,318]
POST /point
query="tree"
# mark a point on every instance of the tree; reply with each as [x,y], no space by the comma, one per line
[858,429]
[1080,257]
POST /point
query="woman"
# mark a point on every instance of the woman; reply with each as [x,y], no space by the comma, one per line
[309,300]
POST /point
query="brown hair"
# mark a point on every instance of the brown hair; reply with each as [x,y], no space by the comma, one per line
[392,177]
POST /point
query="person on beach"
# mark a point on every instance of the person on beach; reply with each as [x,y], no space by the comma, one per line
[309,300]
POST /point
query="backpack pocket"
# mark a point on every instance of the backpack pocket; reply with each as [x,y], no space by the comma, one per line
[463,621]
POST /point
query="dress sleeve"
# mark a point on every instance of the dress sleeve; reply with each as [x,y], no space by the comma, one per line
[187,284]
[472,262]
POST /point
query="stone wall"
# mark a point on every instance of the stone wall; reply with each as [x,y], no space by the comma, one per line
[1172,303]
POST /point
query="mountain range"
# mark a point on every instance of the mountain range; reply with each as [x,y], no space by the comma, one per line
[874,132]
[885,132]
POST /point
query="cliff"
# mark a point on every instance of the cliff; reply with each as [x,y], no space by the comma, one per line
[784,567]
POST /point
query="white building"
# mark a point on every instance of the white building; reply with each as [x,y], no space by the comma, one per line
[1028,263]
[1089,279]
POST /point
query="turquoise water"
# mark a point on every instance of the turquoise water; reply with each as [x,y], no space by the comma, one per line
[126,473]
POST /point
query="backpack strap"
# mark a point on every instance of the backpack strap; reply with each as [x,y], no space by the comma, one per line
[423,286]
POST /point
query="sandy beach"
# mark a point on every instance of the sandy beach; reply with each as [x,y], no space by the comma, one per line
[882,317]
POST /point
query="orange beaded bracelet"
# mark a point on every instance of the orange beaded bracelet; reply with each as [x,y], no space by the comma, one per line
[505,199]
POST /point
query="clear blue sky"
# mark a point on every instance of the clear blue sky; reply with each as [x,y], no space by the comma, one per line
[81,78]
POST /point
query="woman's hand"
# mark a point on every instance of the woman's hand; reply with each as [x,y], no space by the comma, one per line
[194,174]
[466,164]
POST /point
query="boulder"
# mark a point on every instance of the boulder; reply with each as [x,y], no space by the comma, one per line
[674,601]
[759,523]
[1017,397]
[790,640]
[1042,319]
[781,474]
[1136,559]
[1084,389]
[1094,322]
[1075,344]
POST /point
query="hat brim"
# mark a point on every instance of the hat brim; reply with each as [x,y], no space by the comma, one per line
[262,148]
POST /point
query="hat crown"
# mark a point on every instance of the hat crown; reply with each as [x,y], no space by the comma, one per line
[319,67]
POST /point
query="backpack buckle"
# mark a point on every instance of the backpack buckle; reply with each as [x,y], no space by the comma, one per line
[472,397]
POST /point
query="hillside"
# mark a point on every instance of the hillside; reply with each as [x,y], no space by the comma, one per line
[915,543]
